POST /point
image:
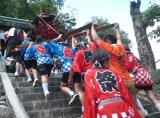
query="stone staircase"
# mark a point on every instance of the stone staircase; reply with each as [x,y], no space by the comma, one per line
[153,112]
[55,106]
[38,106]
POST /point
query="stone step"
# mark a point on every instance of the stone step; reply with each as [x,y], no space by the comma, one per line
[157,94]
[22,78]
[15,79]
[49,104]
[26,90]
[154,115]
[12,75]
[58,76]
[143,95]
[70,112]
[143,98]
[27,84]
[150,108]
[156,86]
[40,96]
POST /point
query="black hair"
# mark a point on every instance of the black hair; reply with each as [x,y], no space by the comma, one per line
[99,58]
[127,49]
[110,38]
[81,45]
[31,34]
[38,38]
[63,43]
[18,33]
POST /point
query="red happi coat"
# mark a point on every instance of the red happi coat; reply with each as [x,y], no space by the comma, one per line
[93,46]
[82,61]
[132,64]
[106,96]
[142,77]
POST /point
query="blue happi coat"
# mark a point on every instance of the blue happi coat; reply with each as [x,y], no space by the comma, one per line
[42,53]
[64,53]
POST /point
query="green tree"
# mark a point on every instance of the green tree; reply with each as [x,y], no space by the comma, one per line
[103,21]
[150,17]
[25,9]
[8,8]
[65,22]
[22,9]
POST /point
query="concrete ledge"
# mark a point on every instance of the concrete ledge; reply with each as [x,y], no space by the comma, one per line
[12,97]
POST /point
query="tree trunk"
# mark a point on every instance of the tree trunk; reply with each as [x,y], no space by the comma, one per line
[144,47]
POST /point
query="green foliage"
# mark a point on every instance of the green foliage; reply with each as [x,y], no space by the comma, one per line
[59,3]
[8,8]
[42,5]
[150,17]
[101,22]
[65,22]
[125,38]
[155,34]
[24,10]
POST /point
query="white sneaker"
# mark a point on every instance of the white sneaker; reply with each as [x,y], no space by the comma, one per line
[56,71]
[72,98]
[158,106]
[9,59]
[29,79]
[46,93]
[16,74]
[145,112]
[35,83]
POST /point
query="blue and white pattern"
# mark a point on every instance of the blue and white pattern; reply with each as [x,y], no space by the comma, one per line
[66,67]
[64,53]
[28,53]
[41,52]
[23,50]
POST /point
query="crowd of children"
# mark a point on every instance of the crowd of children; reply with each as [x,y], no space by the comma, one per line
[102,65]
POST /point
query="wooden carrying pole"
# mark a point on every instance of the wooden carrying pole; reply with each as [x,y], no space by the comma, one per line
[71,33]
[97,29]
[48,25]
[21,46]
